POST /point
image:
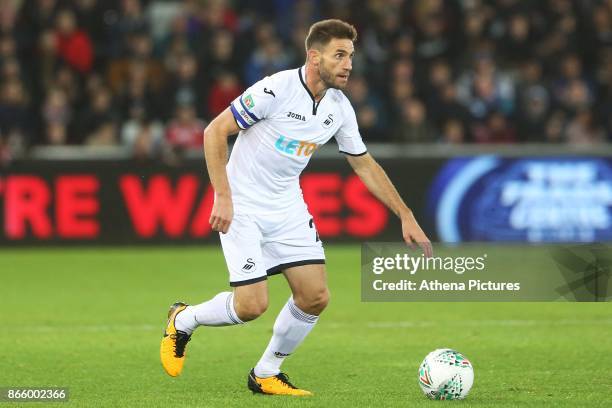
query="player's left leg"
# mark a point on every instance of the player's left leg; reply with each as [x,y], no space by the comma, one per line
[298,317]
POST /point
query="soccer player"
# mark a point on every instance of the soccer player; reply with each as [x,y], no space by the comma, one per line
[264,224]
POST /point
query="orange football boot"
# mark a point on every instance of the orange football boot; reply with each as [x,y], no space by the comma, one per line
[276,385]
[172,350]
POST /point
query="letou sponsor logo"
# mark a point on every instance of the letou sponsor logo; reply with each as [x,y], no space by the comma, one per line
[295,147]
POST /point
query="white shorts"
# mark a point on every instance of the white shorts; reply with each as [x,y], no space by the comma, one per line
[259,245]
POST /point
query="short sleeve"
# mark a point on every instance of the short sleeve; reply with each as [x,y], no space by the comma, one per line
[348,137]
[254,104]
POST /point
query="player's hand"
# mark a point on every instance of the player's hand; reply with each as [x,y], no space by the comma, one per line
[222,213]
[413,233]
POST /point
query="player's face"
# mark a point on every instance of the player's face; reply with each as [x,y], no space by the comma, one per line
[336,63]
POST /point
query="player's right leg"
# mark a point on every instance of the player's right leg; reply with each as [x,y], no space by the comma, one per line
[245,303]
[248,300]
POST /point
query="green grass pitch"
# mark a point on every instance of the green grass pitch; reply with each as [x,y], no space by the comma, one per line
[91,320]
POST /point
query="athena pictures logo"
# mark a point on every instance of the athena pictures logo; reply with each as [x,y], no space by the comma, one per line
[577,273]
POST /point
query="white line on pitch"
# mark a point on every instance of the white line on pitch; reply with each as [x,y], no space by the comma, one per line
[324,324]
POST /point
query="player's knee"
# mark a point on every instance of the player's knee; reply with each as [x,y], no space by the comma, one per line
[322,300]
[314,303]
[251,309]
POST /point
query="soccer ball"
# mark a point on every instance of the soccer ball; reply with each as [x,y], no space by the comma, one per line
[446,374]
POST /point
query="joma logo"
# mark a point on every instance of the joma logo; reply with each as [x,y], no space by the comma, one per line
[296,116]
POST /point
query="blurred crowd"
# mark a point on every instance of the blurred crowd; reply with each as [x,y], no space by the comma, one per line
[150,74]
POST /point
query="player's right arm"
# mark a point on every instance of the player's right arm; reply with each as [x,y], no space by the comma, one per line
[255,104]
[215,153]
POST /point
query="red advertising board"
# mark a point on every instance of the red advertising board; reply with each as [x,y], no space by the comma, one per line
[120,202]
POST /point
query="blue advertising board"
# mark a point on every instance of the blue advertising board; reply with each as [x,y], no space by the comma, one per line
[536,199]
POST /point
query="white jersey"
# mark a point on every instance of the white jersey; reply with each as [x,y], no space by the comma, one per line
[282,126]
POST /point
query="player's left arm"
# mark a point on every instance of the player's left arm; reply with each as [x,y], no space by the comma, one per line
[379,184]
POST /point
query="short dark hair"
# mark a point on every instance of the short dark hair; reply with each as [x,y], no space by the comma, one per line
[322,32]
